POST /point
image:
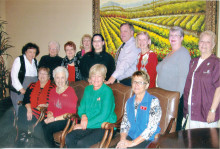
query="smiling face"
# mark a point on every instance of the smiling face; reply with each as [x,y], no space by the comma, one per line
[43,76]
[86,43]
[206,44]
[126,33]
[70,52]
[143,41]
[53,51]
[175,38]
[97,80]
[60,79]
[30,54]
[139,85]
[97,43]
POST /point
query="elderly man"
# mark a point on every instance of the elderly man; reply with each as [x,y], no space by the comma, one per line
[52,60]
[126,56]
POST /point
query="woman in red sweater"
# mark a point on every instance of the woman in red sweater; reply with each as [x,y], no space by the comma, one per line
[62,100]
[147,59]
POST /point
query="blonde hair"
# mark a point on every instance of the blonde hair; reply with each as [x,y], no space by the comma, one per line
[84,36]
[209,33]
[143,33]
[98,69]
[142,74]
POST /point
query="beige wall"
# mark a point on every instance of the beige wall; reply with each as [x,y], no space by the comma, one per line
[41,21]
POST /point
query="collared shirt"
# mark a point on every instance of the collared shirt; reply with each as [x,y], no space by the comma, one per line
[127,60]
[30,68]
[206,80]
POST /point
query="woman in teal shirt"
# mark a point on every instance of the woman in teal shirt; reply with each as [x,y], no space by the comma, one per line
[97,106]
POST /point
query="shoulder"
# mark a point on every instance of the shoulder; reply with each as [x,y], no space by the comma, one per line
[184,51]
[107,88]
[155,101]
[45,56]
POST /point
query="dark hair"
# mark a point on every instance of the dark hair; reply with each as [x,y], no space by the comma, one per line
[103,47]
[30,46]
[71,44]
[129,25]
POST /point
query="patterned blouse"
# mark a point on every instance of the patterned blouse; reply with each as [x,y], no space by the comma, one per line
[154,119]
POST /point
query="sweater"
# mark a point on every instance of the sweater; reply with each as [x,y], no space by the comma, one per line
[98,106]
[90,59]
[50,62]
[173,70]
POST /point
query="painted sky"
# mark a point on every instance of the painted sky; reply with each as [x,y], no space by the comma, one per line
[126,2]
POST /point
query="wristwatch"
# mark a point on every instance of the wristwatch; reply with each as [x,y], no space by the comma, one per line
[211,110]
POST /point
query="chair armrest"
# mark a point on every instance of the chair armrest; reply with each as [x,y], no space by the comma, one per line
[109,129]
[43,111]
[70,117]
[169,126]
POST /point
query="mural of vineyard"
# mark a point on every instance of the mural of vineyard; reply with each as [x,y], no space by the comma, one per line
[156,17]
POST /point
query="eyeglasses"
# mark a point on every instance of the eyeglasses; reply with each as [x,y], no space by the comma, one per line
[138,83]
[175,36]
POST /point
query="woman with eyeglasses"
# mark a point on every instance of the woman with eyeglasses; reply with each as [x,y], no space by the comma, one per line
[98,55]
[173,69]
[142,115]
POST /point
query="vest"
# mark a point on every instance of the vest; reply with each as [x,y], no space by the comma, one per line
[140,123]
[22,71]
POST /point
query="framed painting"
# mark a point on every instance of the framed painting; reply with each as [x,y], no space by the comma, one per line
[156,17]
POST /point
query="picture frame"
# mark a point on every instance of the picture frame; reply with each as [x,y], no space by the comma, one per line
[210,19]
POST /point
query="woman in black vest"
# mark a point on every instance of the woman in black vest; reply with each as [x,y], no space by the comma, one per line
[23,72]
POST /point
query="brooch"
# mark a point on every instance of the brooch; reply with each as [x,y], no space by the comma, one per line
[98,99]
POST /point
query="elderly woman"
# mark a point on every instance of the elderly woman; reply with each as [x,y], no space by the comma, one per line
[98,55]
[35,96]
[147,59]
[23,72]
[52,60]
[202,89]
[85,46]
[97,106]
[142,115]
[173,70]
[71,62]
[62,100]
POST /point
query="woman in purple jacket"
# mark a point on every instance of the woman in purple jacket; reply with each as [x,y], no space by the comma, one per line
[202,88]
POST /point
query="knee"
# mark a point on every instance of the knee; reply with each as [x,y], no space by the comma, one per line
[68,140]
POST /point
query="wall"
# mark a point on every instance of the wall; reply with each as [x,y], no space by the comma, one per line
[41,21]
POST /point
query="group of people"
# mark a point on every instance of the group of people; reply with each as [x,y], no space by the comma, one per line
[135,65]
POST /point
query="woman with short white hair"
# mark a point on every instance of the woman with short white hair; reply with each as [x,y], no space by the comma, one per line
[52,60]
[62,100]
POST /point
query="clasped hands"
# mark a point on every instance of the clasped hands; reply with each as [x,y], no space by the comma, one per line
[124,144]
[83,124]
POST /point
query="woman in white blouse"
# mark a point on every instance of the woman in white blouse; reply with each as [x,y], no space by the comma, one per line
[142,115]
[23,72]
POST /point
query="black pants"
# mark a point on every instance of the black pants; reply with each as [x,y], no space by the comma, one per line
[24,124]
[126,81]
[180,114]
[84,138]
[141,145]
[50,129]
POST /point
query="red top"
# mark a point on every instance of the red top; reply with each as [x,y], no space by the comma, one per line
[71,70]
[148,62]
[65,102]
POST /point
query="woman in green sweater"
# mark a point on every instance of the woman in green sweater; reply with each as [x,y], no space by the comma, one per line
[97,106]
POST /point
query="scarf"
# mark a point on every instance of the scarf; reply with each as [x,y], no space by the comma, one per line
[39,96]
[66,61]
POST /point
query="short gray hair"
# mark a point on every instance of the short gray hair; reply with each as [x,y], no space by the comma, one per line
[129,25]
[61,69]
[209,33]
[54,43]
[177,29]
